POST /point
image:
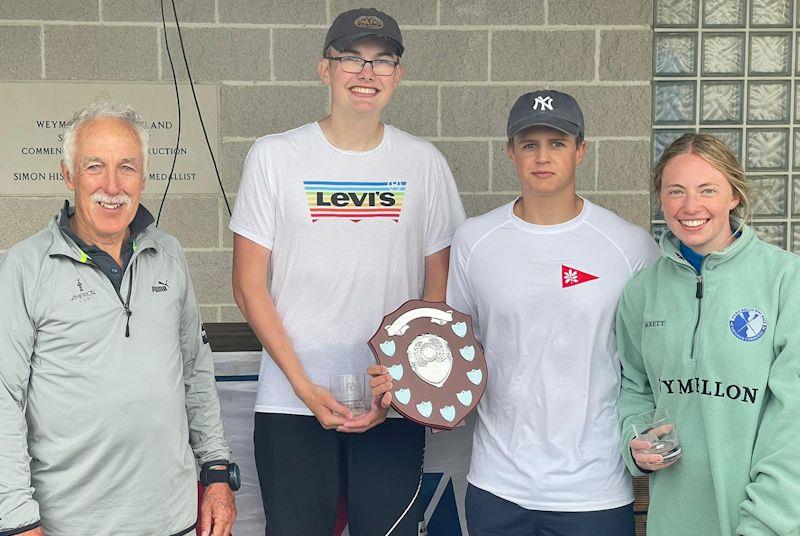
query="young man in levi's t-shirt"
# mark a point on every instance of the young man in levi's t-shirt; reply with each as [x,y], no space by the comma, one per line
[352,217]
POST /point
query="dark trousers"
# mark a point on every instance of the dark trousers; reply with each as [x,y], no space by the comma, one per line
[490,515]
[302,467]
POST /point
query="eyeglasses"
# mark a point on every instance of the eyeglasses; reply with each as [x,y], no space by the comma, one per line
[354,65]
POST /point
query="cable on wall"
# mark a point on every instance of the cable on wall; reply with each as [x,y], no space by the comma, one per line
[178,100]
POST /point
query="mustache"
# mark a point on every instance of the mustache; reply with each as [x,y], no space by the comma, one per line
[119,199]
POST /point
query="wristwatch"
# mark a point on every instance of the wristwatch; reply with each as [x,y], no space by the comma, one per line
[221,471]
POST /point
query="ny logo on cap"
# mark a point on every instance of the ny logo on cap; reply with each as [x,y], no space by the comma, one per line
[369,21]
[546,103]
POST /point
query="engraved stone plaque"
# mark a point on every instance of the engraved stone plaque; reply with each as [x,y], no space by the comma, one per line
[33,115]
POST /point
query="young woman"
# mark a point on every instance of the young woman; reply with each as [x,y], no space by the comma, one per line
[709,332]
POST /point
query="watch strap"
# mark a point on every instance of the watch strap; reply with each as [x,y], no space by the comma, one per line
[216,475]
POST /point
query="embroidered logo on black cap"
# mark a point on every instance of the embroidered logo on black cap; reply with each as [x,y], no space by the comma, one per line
[546,103]
[369,21]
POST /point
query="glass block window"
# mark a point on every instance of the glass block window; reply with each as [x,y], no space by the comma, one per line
[732,68]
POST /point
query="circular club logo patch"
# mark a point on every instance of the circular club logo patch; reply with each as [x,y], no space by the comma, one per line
[748,324]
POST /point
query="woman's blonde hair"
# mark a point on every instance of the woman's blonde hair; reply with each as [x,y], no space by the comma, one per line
[719,156]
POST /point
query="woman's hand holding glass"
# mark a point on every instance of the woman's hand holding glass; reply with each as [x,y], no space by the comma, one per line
[655,444]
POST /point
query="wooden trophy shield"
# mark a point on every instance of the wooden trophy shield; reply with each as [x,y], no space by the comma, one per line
[437,367]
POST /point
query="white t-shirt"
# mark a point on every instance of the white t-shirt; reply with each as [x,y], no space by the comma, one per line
[349,232]
[543,300]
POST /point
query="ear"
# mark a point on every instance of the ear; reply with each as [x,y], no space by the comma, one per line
[67,177]
[735,200]
[399,73]
[581,152]
[510,151]
[323,71]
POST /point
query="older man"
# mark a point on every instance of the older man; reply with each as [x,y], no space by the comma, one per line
[106,383]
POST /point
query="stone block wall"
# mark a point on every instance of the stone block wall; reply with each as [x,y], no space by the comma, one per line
[466,62]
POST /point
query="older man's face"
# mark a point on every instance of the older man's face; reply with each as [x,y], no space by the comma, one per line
[108,177]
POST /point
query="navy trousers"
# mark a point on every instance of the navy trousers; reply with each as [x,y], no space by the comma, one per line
[490,515]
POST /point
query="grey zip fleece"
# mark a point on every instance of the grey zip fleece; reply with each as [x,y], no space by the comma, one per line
[99,430]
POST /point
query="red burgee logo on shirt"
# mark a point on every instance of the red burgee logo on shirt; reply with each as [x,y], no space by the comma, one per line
[572,276]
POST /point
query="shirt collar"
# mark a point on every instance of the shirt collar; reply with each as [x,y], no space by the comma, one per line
[694,258]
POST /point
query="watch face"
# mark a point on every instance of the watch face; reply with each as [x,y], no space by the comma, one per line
[234,478]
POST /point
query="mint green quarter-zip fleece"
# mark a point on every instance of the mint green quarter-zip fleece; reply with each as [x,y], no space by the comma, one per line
[721,351]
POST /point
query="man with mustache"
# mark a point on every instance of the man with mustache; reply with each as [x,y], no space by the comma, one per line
[107,387]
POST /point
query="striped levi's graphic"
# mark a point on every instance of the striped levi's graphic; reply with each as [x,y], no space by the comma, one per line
[354,200]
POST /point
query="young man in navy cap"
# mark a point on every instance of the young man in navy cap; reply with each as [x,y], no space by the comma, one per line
[353,217]
[541,277]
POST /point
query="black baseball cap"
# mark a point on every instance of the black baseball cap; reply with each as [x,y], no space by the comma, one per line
[547,108]
[360,23]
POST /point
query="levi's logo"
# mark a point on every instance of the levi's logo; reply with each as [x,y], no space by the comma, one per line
[355,201]
[572,276]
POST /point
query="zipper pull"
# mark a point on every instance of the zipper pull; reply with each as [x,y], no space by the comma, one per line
[128,314]
[699,293]
[127,304]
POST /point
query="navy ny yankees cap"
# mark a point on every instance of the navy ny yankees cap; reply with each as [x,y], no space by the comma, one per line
[360,23]
[547,108]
